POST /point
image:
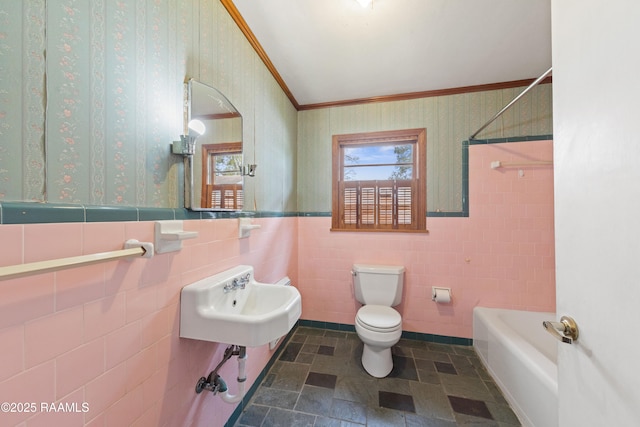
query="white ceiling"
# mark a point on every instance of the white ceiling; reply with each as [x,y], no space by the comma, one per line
[335,50]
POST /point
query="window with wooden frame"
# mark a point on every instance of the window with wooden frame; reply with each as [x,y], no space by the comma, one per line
[221,164]
[379,181]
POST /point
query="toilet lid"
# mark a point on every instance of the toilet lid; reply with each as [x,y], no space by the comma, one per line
[379,317]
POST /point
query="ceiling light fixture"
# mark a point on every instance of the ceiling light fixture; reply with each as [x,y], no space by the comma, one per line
[364,3]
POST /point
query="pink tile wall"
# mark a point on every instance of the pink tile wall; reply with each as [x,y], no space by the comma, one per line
[502,255]
[108,334]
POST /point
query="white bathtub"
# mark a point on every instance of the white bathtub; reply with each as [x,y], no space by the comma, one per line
[522,359]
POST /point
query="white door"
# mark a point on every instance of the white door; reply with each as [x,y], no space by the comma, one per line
[596,91]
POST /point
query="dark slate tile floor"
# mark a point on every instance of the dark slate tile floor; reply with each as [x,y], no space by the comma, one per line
[318,381]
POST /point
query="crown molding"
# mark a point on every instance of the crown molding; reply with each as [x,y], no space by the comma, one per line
[253,41]
[423,94]
[244,27]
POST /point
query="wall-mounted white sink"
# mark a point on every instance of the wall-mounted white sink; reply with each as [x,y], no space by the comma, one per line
[217,309]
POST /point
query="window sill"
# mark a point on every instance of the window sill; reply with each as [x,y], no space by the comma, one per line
[373,230]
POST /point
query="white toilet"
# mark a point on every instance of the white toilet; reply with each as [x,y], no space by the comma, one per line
[378,287]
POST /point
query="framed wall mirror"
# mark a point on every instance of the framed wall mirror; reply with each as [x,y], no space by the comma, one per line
[214,172]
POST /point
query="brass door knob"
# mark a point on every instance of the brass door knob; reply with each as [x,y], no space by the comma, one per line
[566,330]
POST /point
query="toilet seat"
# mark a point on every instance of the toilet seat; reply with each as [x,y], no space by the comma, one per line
[379,318]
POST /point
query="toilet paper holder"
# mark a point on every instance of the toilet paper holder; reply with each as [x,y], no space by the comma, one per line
[440,294]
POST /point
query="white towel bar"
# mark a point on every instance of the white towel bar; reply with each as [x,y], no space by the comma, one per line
[132,248]
[500,164]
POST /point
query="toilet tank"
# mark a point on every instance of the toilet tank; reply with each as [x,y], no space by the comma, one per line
[378,284]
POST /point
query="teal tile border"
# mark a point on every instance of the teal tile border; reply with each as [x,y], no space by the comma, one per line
[323,214]
[465,178]
[327,325]
[36,212]
[110,213]
[465,160]
[509,139]
[440,339]
[465,175]
[186,214]
[150,214]
[33,213]
[418,336]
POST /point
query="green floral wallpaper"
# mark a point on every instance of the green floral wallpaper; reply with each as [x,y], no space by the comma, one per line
[449,120]
[88,112]
[22,100]
[114,73]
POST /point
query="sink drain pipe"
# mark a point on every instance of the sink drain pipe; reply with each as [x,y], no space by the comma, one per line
[214,382]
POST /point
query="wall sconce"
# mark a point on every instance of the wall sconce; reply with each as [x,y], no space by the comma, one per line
[187,144]
[248,170]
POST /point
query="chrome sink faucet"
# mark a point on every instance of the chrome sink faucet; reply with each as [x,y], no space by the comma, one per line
[237,283]
[244,280]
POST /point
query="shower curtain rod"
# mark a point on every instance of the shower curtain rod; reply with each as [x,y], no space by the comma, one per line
[499,113]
